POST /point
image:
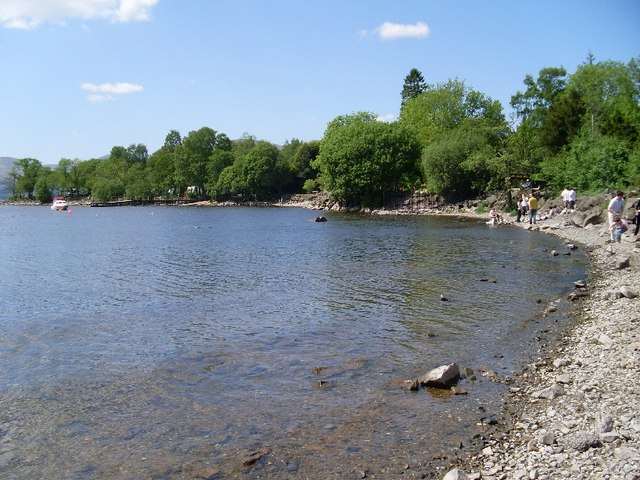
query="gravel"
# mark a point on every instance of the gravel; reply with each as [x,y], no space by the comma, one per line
[576,414]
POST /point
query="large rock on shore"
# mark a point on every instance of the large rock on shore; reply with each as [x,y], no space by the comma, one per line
[594,216]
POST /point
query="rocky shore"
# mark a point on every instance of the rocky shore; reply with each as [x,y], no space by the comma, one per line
[576,413]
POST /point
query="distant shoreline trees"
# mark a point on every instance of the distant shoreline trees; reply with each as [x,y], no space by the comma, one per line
[580,130]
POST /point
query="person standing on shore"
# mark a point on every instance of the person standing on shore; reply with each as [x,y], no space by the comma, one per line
[572,199]
[616,206]
[636,220]
[533,208]
[524,205]
[565,199]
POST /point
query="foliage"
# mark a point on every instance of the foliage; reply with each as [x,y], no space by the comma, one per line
[592,163]
[446,106]
[461,131]
[42,188]
[26,171]
[455,163]
[580,129]
[360,158]
[414,85]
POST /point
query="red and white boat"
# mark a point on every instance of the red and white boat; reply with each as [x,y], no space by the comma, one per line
[59,203]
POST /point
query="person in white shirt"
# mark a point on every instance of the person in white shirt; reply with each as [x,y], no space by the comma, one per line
[565,198]
[572,199]
[616,206]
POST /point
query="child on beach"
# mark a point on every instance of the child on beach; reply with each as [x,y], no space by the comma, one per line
[617,228]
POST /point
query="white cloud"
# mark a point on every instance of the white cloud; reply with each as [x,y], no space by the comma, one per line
[103,92]
[388,118]
[393,31]
[29,14]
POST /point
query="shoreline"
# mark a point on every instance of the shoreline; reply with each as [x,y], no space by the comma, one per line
[575,412]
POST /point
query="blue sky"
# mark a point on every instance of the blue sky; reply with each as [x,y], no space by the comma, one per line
[78,77]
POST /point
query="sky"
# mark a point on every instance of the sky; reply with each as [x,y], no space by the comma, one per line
[78,77]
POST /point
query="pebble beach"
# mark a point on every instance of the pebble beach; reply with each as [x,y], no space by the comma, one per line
[575,412]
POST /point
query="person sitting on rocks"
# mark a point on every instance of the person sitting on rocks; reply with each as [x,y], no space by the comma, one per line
[548,214]
[495,217]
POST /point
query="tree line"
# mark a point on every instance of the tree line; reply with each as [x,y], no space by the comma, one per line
[579,130]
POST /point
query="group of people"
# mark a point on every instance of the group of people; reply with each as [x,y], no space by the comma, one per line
[617,224]
[569,196]
[527,204]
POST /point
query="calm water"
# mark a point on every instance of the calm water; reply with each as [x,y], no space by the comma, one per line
[172,342]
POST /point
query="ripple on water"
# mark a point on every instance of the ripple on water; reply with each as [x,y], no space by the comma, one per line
[171,344]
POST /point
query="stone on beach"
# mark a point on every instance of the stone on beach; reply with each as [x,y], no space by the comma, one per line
[442,377]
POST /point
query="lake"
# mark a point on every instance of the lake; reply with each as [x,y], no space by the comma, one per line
[182,342]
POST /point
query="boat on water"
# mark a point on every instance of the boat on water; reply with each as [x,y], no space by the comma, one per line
[59,203]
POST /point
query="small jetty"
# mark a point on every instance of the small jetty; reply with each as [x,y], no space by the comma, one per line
[141,203]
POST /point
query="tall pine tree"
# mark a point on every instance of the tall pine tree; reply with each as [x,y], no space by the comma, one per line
[414,85]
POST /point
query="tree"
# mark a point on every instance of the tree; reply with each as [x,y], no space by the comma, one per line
[137,183]
[161,165]
[535,101]
[110,176]
[360,158]
[458,164]
[609,90]
[445,106]
[302,164]
[261,170]
[137,154]
[85,173]
[563,120]
[42,187]
[593,163]
[192,156]
[414,85]
[27,171]
[219,160]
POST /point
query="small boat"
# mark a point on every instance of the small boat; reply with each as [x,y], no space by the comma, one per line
[59,203]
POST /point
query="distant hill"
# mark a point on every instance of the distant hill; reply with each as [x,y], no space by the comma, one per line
[5,185]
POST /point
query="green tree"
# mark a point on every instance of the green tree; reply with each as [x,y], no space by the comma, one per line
[192,156]
[610,94]
[110,176]
[261,170]
[27,171]
[84,172]
[219,160]
[535,101]
[137,154]
[444,107]
[161,166]
[360,158]
[414,85]
[563,120]
[43,187]
[137,184]
[302,164]
[460,162]
[593,163]
[61,180]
